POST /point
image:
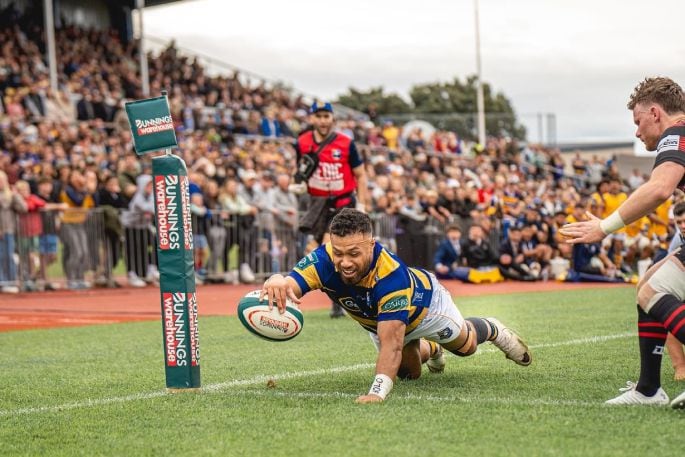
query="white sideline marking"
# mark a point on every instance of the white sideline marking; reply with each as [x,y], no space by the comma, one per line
[88,403]
[423,398]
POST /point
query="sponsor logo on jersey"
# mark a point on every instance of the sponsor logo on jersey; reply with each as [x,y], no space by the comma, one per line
[168,220]
[348,303]
[309,259]
[337,154]
[668,143]
[396,304]
[175,338]
[445,333]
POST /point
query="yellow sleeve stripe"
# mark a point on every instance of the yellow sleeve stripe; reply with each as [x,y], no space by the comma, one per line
[415,320]
[311,276]
[365,322]
[423,277]
[385,264]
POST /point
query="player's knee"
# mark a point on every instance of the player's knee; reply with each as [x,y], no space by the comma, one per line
[644,295]
[410,367]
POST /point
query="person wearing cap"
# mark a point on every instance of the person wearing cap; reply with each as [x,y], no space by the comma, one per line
[333,170]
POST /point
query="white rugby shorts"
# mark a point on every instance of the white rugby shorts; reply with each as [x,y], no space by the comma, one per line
[442,324]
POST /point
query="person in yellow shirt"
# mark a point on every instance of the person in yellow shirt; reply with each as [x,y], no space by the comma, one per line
[391,134]
[597,197]
[659,221]
[73,232]
[613,198]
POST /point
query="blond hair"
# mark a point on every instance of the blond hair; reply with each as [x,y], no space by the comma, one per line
[660,90]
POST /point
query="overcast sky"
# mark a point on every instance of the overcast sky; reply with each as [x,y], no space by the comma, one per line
[578,59]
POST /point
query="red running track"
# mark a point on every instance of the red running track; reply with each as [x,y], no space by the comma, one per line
[66,308]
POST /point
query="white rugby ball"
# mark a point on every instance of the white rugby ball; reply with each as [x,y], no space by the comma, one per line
[269,324]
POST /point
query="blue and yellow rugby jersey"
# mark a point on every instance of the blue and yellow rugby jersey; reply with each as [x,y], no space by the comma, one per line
[389,291]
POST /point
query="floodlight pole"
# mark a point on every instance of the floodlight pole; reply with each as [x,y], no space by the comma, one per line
[144,72]
[50,42]
[480,98]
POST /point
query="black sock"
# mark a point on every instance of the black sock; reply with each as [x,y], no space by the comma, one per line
[670,311]
[485,331]
[651,337]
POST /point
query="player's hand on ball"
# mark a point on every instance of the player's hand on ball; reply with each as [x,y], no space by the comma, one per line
[277,289]
[368,399]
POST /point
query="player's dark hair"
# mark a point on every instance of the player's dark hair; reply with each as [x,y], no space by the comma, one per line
[350,221]
[660,90]
[679,209]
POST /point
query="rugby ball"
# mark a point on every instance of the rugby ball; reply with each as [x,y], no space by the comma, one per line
[269,324]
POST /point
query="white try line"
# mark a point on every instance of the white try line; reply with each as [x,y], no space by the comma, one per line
[471,399]
[260,379]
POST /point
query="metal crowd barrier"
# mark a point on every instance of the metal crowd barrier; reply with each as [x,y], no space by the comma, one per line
[50,249]
[108,248]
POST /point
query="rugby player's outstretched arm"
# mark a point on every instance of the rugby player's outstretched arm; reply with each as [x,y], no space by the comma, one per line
[391,337]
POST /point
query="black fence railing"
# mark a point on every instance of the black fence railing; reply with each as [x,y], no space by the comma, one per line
[102,247]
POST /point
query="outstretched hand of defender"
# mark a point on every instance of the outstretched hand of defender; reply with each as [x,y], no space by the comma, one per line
[278,289]
[583,232]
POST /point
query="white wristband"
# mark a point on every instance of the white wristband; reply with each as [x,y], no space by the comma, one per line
[381,386]
[612,223]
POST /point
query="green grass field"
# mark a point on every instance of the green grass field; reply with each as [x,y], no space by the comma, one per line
[99,390]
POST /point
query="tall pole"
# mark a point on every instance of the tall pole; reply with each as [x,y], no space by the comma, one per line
[144,73]
[50,42]
[480,98]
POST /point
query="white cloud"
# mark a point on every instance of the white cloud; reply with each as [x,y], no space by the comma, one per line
[579,60]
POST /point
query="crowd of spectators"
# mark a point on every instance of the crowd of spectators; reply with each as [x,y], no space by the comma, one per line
[72,150]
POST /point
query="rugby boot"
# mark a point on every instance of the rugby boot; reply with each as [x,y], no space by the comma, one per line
[511,344]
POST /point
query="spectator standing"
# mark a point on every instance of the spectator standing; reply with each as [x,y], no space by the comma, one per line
[47,240]
[333,169]
[240,222]
[284,208]
[141,252]
[73,230]
[30,227]
[11,204]
[112,203]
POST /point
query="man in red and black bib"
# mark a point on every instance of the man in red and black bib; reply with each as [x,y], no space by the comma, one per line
[333,170]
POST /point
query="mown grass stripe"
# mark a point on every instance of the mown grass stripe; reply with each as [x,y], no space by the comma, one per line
[222,386]
[474,399]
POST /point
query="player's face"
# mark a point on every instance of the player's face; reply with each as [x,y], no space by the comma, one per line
[323,122]
[352,255]
[648,129]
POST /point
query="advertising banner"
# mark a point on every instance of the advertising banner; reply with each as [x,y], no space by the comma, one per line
[151,124]
[177,273]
